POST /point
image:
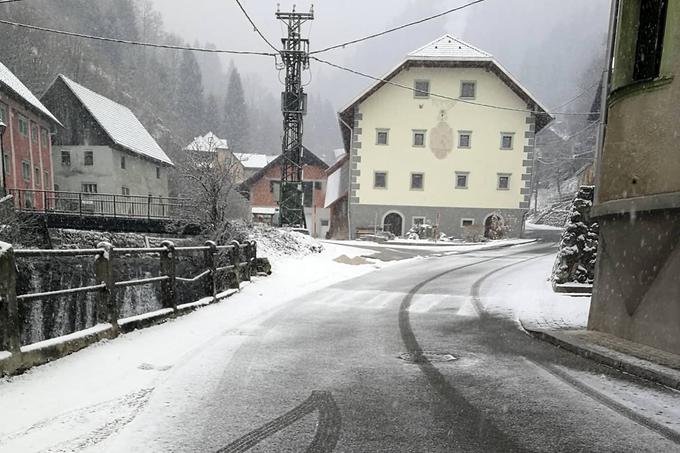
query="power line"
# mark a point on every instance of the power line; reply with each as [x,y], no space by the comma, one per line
[400,27]
[441,96]
[578,96]
[129,42]
[257,30]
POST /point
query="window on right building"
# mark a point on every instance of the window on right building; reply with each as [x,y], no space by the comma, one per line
[507,140]
[649,46]
[503,181]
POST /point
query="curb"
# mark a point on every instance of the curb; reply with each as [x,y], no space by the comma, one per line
[640,368]
[56,348]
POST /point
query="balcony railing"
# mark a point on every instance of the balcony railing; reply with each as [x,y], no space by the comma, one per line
[100,204]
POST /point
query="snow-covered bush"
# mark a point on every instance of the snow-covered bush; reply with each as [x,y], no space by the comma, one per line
[498,229]
[421,231]
[473,233]
[578,247]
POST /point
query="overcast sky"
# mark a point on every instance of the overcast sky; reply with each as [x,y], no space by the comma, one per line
[547,44]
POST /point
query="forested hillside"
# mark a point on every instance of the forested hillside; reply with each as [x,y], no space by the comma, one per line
[176,94]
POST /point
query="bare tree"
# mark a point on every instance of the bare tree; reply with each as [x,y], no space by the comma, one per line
[212,174]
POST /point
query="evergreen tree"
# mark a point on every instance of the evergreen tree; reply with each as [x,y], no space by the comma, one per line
[236,114]
[190,98]
[212,115]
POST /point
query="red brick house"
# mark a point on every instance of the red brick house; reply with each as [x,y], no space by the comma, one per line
[263,190]
[27,149]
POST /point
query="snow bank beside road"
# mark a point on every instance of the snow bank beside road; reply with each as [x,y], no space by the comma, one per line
[524,293]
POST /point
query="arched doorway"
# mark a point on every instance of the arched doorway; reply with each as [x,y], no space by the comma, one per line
[494,227]
[394,223]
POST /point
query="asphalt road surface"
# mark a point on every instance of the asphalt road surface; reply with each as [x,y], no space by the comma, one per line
[389,363]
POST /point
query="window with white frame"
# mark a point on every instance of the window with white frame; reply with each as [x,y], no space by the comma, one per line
[419,138]
[26,170]
[23,126]
[66,158]
[464,139]
[382,136]
[468,89]
[88,187]
[421,89]
[380,180]
[504,181]
[462,179]
[507,140]
[467,222]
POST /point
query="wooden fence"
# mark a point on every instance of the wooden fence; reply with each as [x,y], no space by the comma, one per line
[241,263]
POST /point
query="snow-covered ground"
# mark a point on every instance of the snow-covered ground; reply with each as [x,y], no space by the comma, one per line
[84,392]
[431,246]
[524,293]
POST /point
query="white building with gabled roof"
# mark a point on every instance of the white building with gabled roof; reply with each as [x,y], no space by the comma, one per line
[445,138]
[103,147]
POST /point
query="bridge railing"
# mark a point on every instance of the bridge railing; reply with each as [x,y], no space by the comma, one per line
[101,204]
[235,261]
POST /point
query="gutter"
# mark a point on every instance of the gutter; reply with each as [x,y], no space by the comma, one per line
[349,176]
[606,87]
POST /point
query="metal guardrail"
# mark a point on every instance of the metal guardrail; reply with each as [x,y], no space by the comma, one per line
[102,204]
[241,259]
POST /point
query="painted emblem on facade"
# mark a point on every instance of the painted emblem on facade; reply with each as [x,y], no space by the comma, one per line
[441,140]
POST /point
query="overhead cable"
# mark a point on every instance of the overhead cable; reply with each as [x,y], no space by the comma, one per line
[400,27]
[441,96]
[257,30]
[134,43]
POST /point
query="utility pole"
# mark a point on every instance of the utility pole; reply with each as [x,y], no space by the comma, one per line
[295,59]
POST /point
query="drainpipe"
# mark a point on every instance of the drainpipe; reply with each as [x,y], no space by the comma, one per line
[606,85]
[349,176]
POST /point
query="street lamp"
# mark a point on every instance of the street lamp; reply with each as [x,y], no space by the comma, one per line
[3,128]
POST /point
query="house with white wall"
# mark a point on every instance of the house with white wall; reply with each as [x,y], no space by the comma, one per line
[103,148]
[446,137]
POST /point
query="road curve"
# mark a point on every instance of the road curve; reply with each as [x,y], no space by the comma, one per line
[327,373]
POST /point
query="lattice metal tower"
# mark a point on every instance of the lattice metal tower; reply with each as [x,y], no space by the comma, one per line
[295,58]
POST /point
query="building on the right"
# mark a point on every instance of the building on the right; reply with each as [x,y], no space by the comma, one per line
[637,291]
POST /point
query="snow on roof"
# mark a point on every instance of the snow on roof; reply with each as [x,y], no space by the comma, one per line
[8,78]
[450,47]
[252,160]
[118,122]
[208,143]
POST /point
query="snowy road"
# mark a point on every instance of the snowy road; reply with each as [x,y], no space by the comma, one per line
[330,370]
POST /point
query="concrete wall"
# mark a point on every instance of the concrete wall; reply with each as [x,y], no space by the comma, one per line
[636,293]
[364,216]
[399,111]
[139,174]
[640,155]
